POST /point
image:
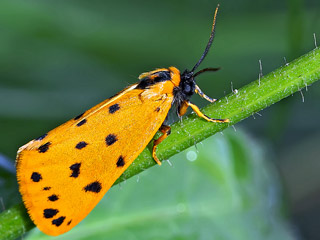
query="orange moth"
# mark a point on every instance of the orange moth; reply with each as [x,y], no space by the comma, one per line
[63,174]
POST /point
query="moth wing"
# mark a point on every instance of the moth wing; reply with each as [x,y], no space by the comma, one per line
[64,175]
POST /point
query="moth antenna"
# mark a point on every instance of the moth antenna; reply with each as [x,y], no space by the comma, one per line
[209,42]
[206,70]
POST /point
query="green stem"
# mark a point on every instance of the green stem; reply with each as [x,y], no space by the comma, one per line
[237,106]
[14,222]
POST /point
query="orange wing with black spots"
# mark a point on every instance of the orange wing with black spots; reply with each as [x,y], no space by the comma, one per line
[64,173]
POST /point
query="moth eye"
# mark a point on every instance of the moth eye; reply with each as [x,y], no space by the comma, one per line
[187,88]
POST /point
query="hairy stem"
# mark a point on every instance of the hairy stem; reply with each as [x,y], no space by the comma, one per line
[237,106]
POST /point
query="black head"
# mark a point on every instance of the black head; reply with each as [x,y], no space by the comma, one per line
[187,83]
[185,90]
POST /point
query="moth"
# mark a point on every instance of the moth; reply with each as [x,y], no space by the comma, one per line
[63,174]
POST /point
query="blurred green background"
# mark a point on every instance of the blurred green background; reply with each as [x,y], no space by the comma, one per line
[59,58]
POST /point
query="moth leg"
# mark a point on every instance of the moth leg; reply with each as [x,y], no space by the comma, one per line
[182,109]
[198,91]
[200,114]
[166,130]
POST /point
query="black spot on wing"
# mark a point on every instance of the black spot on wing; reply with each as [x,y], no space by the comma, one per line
[75,168]
[36,177]
[120,162]
[153,79]
[78,117]
[81,145]
[69,222]
[93,187]
[44,147]
[41,137]
[46,188]
[81,122]
[53,198]
[111,139]
[58,221]
[50,212]
[157,109]
[114,108]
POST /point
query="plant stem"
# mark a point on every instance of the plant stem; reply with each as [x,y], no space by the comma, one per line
[14,222]
[237,106]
